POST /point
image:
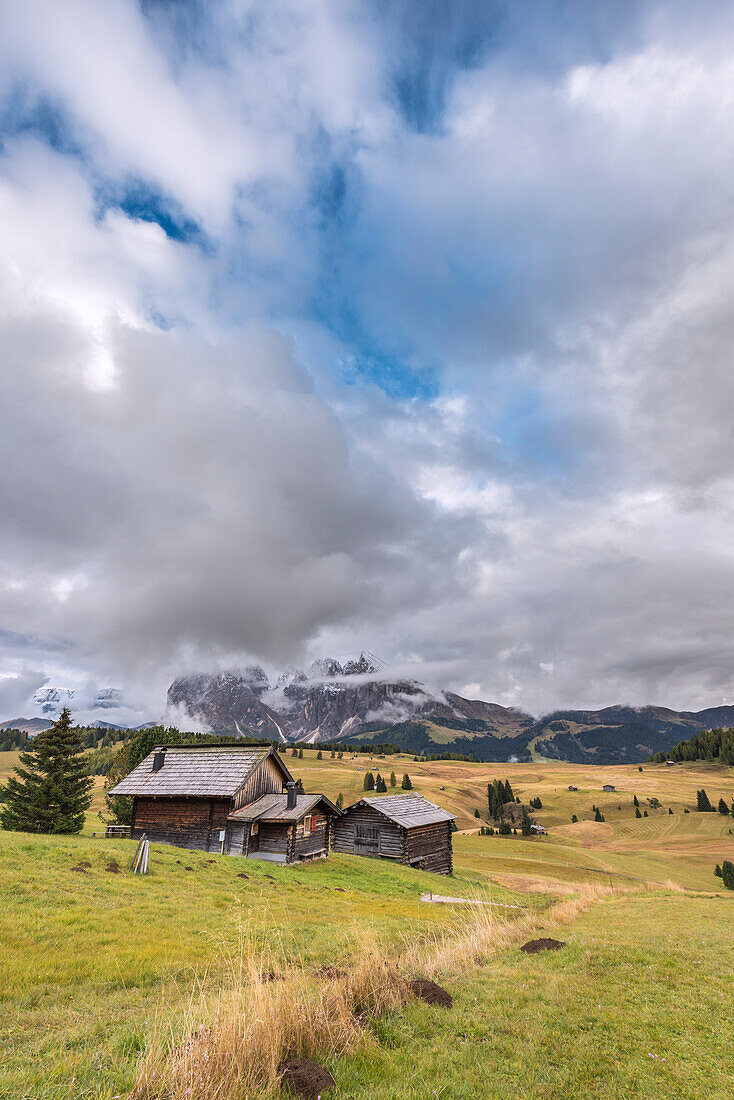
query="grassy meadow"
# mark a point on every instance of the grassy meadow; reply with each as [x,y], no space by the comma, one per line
[104,974]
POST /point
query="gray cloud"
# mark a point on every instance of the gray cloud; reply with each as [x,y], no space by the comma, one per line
[187,477]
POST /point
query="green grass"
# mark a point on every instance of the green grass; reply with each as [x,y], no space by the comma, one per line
[637,1005]
[89,956]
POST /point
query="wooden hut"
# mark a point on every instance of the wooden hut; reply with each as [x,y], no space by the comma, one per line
[282,828]
[403,827]
[184,794]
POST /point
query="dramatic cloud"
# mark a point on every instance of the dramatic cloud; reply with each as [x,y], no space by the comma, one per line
[368,324]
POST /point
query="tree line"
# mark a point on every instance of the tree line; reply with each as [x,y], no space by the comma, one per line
[715,745]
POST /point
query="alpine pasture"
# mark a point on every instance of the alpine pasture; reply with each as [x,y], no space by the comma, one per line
[109,980]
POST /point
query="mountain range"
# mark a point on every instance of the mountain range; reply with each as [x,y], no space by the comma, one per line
[357,703]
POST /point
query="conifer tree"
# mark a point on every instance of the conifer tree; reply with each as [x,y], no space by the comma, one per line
[393,779]
[574,819]
[702,802]
[369,781]
[637,812]
[509,796]
[294,751]
[300,754]
[727,874]
[670,811]
[319,755]
[598,815]
[340,801]
[525,823]
[644,813]
[299,786]
[717,871]
[476,813]
[635,801]
[49,792]
[333,753]
[723,808]
[406,784]
[380,784]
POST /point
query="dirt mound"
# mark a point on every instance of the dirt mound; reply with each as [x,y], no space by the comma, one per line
[271,976]
[242,875]
[532,947]
[305,1078]
[431,993]
[113,867]
[82,867]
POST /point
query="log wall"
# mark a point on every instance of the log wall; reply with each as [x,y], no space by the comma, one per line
[306,845]
[430,848]
[185,822]
[366,832]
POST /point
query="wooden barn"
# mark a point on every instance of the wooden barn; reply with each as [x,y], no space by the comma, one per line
[226,798]
[282,828]
[403,827]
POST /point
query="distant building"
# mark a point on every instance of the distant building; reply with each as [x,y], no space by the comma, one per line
[538,829]
[403,827]
[670,763]
[572,788]
[609,787]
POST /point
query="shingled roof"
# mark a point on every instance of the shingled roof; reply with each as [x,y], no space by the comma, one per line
[201,771]
[274,807]
[407,810]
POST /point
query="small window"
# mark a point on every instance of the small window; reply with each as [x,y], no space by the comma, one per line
[254,828]
[307,824]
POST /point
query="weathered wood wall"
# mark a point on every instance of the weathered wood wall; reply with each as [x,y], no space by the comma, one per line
[430,848]
[366,832]
[306,845]
[267,779]
[274,837]
[184,822]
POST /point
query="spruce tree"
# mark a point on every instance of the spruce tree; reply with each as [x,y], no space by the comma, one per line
[476,813]
[509,796]
[727,874]
[319,755]
[340,801]
[717,871]
[406,784]
[299,786]
[333,753]
[723,808]
[525,823]
[635,801]
[300,754]
[369,781]
[393,779]
[637,812]
[380,784]
[49,792]
[670,810]
[598,815]
[702,802]
[574,819]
